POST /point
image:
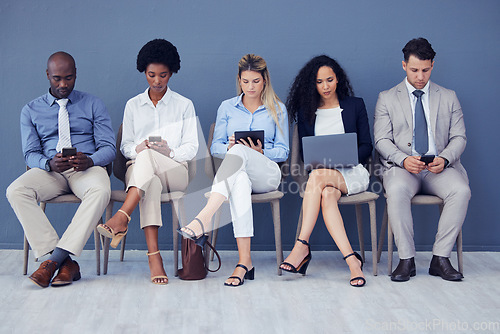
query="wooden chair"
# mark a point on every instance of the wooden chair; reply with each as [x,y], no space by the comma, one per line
[175,198]
[299,174]
[273,198]
[416,200]
[66,198]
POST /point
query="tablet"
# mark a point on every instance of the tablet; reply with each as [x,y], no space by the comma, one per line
[254,135]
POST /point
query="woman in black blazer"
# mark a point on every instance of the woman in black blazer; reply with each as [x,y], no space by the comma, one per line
[321,102]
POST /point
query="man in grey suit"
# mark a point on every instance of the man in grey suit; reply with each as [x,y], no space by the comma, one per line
[419,133]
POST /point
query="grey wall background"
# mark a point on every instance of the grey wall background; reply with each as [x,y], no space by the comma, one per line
[365,36]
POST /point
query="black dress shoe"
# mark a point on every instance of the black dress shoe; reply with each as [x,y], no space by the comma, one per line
[441,266]
[404,270]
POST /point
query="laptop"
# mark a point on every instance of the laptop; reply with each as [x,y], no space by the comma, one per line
[330,151]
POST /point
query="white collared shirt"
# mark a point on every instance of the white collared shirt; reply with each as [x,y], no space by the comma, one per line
[425,102]
[173,119]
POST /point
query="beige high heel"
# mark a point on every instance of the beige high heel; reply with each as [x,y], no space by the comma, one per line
[153,278]
[108,232]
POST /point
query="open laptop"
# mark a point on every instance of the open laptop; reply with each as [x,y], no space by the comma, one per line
[330,151]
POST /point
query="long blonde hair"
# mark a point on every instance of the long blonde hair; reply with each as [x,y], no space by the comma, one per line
[252,62]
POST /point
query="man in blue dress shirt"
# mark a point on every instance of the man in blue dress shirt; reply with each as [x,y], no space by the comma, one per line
[45,132]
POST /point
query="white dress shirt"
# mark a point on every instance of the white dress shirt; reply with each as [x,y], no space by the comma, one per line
[425,102]
[173,119]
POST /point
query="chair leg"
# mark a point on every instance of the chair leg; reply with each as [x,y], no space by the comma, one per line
[359,221]
[106,241]
[373,229]
[122,248]
[215,231]
[383,228]
[178,217]
[299,226]
[97,245]
[105,249]
[26,249]
[389,248]
[460,255]
[275,208]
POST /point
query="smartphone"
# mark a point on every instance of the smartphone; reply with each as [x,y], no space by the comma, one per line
[154,139]
[427,158]
[68,151]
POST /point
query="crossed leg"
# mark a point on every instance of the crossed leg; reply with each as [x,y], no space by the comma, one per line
[323,190]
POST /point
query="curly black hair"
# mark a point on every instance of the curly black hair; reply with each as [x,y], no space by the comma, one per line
[303,96]
[159,51]
[420,48]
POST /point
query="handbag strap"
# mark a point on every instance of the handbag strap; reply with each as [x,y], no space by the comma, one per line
[218,257]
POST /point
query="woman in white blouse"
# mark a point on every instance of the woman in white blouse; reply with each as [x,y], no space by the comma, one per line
[321,101]
[159,136]
[247,166]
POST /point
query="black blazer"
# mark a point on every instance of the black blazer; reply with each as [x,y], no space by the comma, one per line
[355,120]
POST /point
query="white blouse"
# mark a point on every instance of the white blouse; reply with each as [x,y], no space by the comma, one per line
[329,122]
[173,119]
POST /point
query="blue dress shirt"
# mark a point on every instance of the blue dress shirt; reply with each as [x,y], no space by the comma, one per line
[233,116]
[90,127]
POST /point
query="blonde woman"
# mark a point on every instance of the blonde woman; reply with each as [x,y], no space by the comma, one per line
[248,167]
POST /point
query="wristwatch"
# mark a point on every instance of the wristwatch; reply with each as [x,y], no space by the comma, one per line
[171,154]
[47,165]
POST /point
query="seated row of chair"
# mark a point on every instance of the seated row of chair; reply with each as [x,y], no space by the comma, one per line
[300,176]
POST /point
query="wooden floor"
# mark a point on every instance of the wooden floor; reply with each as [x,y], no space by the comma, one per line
[124,301]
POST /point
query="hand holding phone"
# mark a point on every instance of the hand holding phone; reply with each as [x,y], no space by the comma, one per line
[154,139]
[68,151]
[427,159]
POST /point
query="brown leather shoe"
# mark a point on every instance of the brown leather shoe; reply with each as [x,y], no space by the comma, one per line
[44,273]
[68,272]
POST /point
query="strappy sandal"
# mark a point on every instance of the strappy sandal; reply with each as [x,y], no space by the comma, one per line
[249,275]
[359,278]
[108,232]
[302,267]
[154,278]
[190,234]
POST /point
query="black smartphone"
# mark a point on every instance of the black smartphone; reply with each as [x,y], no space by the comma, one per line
[154,139]
[68,151]
[254,135]
[427,158]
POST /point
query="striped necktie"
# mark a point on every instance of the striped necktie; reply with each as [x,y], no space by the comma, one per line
[64,130]
[421,136]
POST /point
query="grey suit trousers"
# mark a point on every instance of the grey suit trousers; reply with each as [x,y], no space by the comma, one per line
[92,186]
[450,185]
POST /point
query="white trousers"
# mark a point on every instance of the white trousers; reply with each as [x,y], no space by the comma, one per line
[92,186]
[154,174]
[245,171]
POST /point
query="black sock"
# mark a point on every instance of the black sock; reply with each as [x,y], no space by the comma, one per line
[59,255]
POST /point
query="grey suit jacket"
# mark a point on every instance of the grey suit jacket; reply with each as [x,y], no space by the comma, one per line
[393,126]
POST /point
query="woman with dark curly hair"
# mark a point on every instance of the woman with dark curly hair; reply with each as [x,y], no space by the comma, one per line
[248,167]
[157,164]
[321,101]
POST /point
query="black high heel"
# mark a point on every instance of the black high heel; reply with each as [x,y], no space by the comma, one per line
[302,267]
[249,275]
[201,240]
[357,278]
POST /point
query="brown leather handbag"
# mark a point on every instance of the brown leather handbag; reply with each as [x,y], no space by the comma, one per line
[193,261]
